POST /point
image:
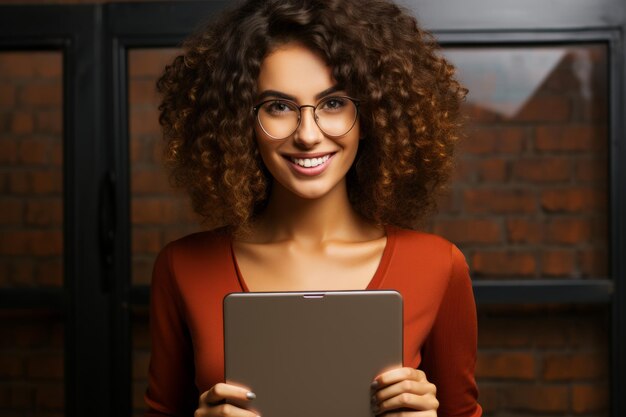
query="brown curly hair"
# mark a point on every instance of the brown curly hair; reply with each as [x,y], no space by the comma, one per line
[377,52]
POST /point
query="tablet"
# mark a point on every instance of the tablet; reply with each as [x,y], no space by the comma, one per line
[311,354]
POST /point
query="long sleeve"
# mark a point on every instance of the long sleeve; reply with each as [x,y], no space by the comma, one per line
[449,352]
[171,389]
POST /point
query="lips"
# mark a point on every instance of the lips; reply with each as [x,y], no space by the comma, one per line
[309,165]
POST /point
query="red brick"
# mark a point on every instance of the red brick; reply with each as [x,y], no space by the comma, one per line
[478,113]
[506,365]
[493,170]
[150,62]
[38,243]
[489,397]
[594,262]
[18,182]
[177,231]
[592,170]
[536,398]
[522,230]
[45,366]
[150,181]
[142,92]
[573,200]
[22,272]
[7,95]
[139,389]
[470,230]
[22,123]
[493,140]
[141,360]
[505,332]
[463,171]
[38,64]
[49,273]
[145,121]
[568,230]
[570,138]
[34,151]
[11,212]
[542,170]
[11,366]
[56,154]
[142,270]
[50,396]
[141,333]
[558,263]
[157,211]
[8,150]
[146,241]
[500,263]
[590,398]
[47,182]
[545,109]
[21,396]
[49,121]
[499,201]
[44,212]
[42,95]
[574,366]
[562,80]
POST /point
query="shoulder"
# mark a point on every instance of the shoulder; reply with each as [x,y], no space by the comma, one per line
[194,250]
[419,249]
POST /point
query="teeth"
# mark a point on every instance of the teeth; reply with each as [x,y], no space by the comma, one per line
[310,162]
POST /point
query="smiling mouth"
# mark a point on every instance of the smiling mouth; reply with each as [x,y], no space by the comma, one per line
[310,162]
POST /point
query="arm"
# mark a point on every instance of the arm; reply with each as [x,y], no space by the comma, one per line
[449,352]
[171,388]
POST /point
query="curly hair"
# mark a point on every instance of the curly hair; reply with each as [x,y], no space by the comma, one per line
[377,52]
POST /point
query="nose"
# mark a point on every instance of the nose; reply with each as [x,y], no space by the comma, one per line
[308,133]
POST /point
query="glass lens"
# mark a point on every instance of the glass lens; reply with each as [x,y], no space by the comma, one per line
[278,118]
[336,115]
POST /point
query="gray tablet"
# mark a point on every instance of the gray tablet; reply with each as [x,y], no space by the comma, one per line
[311,354]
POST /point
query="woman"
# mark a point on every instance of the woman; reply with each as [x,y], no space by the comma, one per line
[311,134]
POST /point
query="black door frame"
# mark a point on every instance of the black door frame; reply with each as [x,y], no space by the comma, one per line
[95,39]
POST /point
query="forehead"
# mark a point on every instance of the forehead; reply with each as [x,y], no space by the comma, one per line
[295,70]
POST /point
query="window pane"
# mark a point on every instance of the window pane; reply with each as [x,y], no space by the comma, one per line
[31,175]
[530,192]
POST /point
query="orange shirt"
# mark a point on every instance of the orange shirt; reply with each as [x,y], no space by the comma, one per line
[192,275]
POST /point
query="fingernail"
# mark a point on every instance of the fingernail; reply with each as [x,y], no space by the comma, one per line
[251,396]
[374,384]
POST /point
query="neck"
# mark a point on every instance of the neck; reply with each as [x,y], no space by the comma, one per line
[290,217]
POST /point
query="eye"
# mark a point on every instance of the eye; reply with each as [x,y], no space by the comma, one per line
[277,107]
[333,104]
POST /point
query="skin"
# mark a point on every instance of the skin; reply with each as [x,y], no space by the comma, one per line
[310,226]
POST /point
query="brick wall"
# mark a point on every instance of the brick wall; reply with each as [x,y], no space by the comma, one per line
[31,236]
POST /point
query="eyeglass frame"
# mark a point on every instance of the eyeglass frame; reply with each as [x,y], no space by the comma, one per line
[354,101]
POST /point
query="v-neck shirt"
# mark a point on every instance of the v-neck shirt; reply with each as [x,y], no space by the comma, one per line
[192,275]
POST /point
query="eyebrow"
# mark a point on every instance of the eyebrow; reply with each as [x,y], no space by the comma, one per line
[278,94]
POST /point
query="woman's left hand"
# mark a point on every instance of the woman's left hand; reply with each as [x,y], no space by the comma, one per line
[404,392]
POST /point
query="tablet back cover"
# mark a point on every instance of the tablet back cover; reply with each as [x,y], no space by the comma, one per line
[311,354]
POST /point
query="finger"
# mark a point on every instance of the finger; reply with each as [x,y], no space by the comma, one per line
[407,401]
[397,375]
[406,413]
[221,392]
[408,386]
[227,410]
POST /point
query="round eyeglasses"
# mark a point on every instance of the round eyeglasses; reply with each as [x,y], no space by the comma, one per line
[334,115]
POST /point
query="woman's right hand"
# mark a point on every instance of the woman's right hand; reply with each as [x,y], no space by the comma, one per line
[214,401]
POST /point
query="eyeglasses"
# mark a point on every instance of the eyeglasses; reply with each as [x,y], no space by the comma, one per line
[334,115]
